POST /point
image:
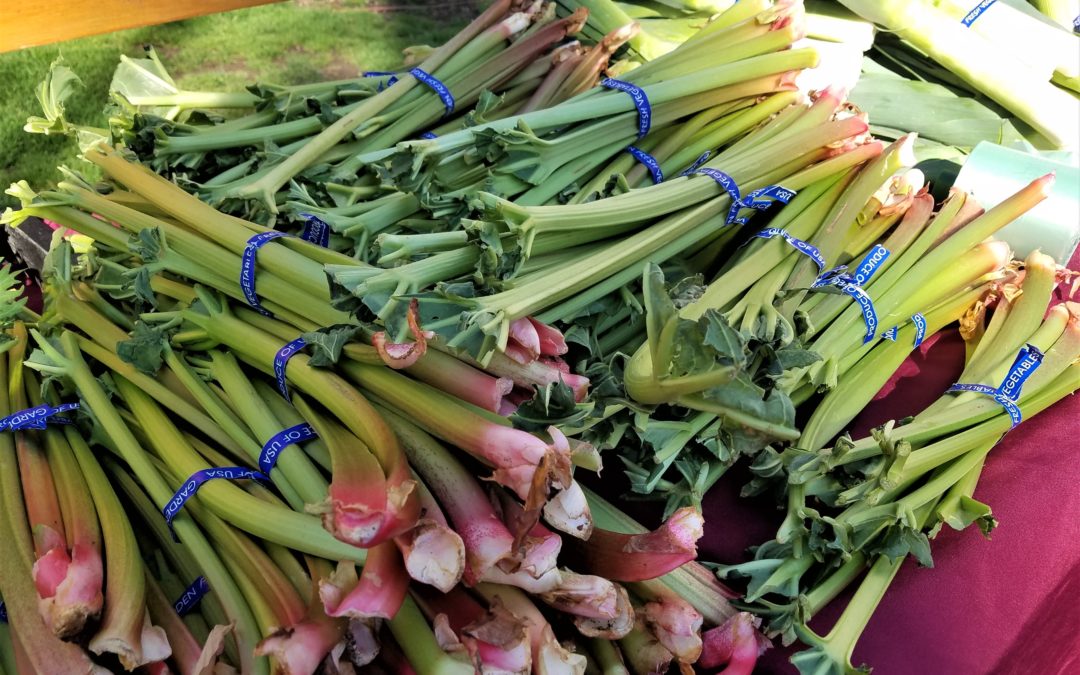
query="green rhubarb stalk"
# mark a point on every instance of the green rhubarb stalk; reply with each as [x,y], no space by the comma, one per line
[419,644]
[832,653]
[302,474]
[342,400]
[865,378]
[994,72]
[247,560]
[226,500]
[189,563]
[846,213]
[282,172]
[163,395]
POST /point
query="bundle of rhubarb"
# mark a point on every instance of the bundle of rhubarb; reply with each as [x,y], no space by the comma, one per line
[355,441]
[354,541]
[865,504]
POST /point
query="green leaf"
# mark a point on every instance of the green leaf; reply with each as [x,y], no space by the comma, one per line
[790,358]
[52,94]
[551,404]
[148,244]
[142,287]
[902,540]
[326,343]
[12,300]
[143,349]
[728,344]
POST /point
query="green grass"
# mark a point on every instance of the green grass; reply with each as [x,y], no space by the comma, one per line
[285,43]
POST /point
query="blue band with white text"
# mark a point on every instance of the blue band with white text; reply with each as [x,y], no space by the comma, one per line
[976,12]
[692,169]
[383,73]
[799,245]
[191,596]
[247,267]
[728,183]
[759,200]
[272,448]
[1006,395]
[641,102]
[920,328]
[201,477]
[316,230]
[436,86]
[281,359]
[649,162]
[851,284]
[37,417]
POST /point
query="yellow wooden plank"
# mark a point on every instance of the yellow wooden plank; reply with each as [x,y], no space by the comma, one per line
[27,23]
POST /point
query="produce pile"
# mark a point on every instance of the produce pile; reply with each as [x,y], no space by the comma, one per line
[316,380]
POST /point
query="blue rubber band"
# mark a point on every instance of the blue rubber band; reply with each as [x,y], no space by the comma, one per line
[650,163]
[1008,393]
[976,12]
[198,479]
[37,417]
[191,596]
[3,612]
[920,328]
[640,99]
[247,267]
[692,169]
[759,200]
[271,450]
[316,230]
[383,73]
[851,284]
[281,359]
[427,135]
[799,245]
[728,183]
[437,87]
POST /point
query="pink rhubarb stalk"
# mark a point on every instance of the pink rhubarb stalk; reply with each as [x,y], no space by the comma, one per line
[357,499]
[600,608]
[549,657]
[378,593]
[521,461]
[639,557]
[461,380]
[536,548]
[69,580]
[486,538]
[568,511]
[434,554]
[299,649]
[538,373]
[494,638]
[676,624]
[736,643]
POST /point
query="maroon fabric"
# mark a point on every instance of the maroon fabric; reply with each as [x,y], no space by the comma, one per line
[1009,606]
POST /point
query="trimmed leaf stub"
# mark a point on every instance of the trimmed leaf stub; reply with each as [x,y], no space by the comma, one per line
[400,355]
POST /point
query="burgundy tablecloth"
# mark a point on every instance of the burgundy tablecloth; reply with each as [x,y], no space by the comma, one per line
[1008,606]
